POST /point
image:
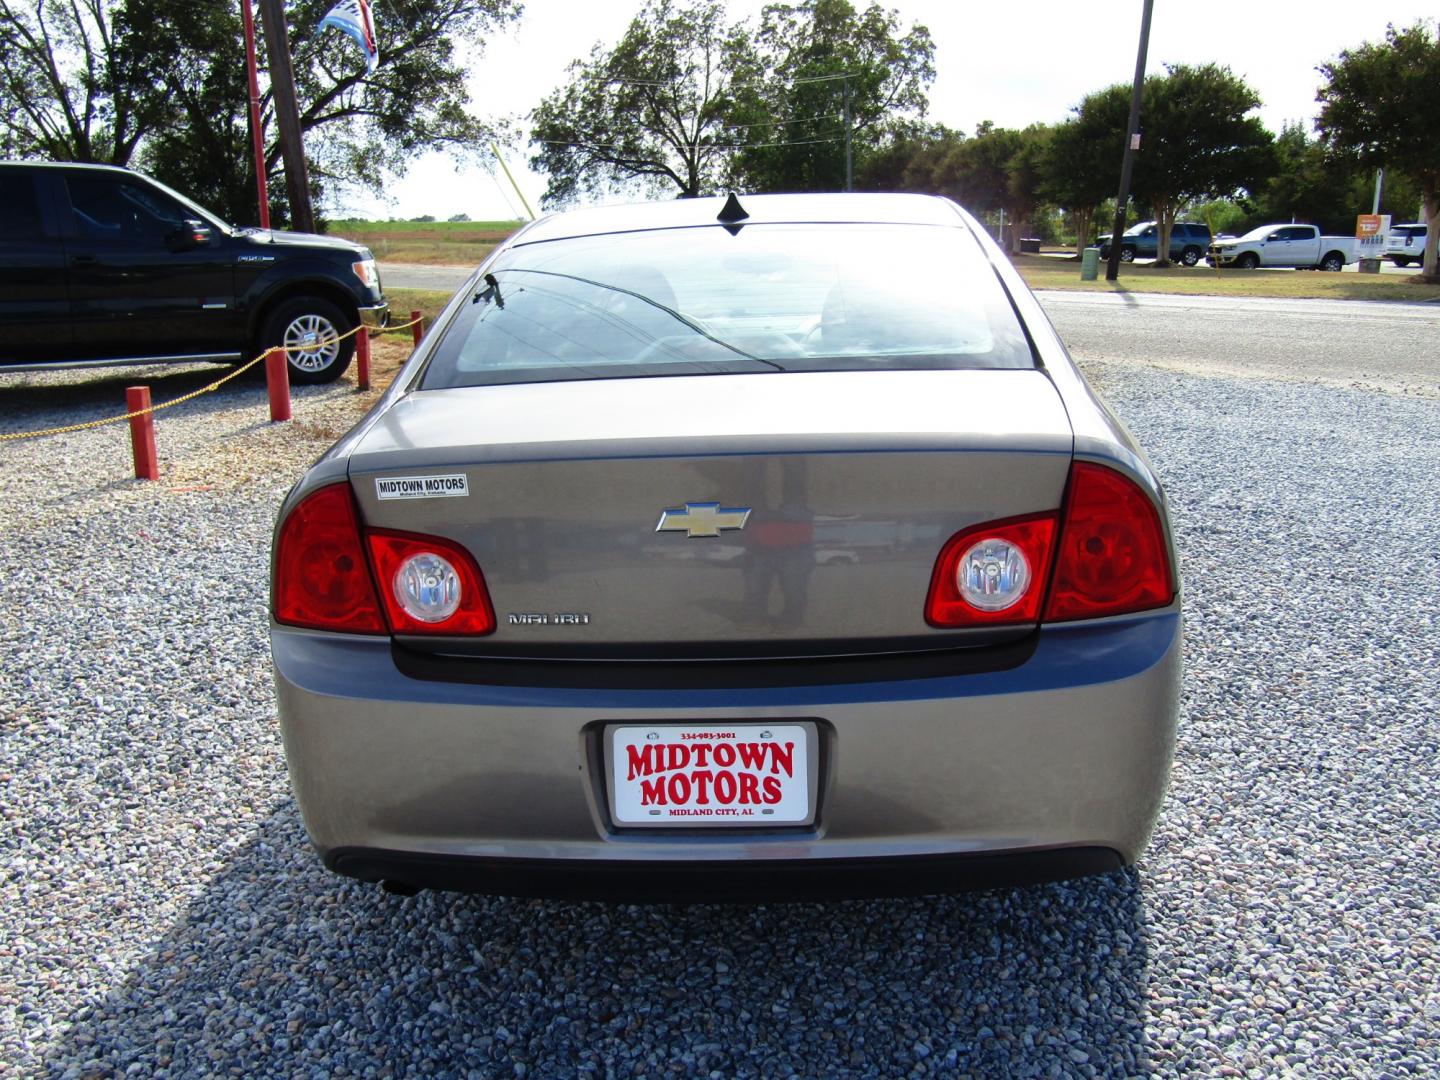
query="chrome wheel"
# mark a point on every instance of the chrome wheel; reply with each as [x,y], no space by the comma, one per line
[312,342]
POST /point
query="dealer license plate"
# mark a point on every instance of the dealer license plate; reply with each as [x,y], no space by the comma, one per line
[743,774]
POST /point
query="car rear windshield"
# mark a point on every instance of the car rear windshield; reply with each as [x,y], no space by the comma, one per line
[706,301]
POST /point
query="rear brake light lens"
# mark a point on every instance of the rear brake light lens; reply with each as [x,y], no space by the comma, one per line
[1112,558]
[992,574]
[321,579]
[429,585]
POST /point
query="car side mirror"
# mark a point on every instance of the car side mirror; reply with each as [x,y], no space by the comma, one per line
[193,234]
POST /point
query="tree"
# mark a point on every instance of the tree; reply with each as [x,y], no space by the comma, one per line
[1024,180]
[651,110]
[1316,184]
[1199,142]
[815,62]
[907,158]
[71,87]
[996,169]
[1081,161]
[974,172]
[1378,106]
[161,84]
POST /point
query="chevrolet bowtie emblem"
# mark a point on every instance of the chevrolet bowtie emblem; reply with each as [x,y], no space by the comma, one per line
[702,519]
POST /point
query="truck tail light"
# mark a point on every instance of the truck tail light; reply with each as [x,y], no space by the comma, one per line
[324,580]
[992,574]
[1112,557]
[429,585]
[321,578]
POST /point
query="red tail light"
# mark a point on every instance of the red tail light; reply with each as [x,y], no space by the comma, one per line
[992,574]
[429,585]
[321,579]
[1112,557]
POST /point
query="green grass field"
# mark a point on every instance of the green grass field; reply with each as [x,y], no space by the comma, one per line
[435,243]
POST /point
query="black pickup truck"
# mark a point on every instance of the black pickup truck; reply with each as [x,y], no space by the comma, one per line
[100,265]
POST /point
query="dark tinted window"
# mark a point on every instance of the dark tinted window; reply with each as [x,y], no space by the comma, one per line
[116,208]
[19,207]
[699,300]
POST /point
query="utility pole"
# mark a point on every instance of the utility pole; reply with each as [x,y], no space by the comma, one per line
[1379,186]
[257,134]
[287,114]
[849,157]
[1132,140]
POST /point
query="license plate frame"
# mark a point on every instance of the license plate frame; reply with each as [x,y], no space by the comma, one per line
[800,790]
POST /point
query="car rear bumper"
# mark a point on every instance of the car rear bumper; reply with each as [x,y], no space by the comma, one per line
[1048,766]
[720,882]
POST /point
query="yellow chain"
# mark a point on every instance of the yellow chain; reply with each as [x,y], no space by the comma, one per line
[194,393]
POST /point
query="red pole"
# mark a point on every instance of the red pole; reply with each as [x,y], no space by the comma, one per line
[277,380]
[257,134]
[362,359]
[142,433]
[417,328]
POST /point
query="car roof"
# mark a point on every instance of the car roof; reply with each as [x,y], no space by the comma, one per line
[832,207]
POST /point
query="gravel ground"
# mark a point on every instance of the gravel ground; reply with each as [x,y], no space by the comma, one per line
[161,913]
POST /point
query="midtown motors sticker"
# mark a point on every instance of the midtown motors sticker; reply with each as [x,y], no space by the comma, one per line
[421,487]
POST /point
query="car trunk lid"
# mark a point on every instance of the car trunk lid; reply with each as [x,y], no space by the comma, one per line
[793,514]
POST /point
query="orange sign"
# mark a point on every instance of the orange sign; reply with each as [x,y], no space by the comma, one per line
[1367,225]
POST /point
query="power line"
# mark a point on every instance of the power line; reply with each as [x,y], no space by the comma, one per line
[676,82]
[782,123]
[699,146]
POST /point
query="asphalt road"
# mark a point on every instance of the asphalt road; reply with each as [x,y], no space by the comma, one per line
[415,276]
[1390,347]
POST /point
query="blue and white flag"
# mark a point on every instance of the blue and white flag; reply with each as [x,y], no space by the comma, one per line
[353,17]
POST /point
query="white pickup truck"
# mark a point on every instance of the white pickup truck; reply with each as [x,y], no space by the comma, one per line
[1283,245]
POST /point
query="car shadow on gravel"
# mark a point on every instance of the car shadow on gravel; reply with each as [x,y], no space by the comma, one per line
[280,968]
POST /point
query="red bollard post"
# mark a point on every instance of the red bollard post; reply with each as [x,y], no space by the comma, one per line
[362,359]
[142,433]
[418,328]
[277,380]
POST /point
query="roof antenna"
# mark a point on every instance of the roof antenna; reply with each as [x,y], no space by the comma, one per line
[732,213]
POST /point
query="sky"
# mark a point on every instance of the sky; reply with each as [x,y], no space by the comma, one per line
[1014,63]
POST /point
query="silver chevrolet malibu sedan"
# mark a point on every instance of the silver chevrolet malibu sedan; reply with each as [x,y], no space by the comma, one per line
[731,548]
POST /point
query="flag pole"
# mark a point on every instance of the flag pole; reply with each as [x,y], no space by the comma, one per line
[523,201]
[257,134]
